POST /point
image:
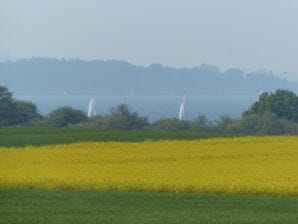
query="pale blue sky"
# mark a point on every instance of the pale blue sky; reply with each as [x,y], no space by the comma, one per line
[247,34]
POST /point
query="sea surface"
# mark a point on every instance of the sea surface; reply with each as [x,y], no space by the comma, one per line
[153,106]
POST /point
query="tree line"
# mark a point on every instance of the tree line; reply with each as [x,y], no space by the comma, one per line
[273,113]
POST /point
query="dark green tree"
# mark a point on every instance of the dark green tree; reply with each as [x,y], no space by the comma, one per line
[201,123]
[170,124]
[7,107]
[283,103]
[121,118]
[64,116]
[223,123]
[26,112]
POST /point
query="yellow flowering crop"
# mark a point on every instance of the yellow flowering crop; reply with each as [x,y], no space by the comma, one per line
[232,165]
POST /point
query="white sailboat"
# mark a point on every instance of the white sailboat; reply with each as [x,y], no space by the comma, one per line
[182,110]
[91,108]
[132,93]
[260,93]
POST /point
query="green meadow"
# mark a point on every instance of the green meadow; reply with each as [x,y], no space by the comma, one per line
[22,136]
[70,207]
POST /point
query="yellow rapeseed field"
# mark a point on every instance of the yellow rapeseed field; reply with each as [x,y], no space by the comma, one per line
[232,165]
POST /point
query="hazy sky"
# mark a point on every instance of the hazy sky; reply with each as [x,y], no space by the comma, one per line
[247,34]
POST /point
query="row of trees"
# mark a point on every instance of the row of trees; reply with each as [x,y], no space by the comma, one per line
[15,112]
[274,113]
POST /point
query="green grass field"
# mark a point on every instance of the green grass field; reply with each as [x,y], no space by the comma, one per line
[62,206]
[13,136]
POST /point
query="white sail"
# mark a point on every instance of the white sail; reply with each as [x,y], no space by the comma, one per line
[91,108]
[261,92]
[132,94]
[182,110]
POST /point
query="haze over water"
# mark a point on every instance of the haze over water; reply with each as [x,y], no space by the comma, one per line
[154,107]
[248,35]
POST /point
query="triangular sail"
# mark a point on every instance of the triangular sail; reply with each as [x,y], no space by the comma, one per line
[182,110]
[260,93]
[132,94]
[91,108]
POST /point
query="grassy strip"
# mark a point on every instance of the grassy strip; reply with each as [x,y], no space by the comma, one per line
[62,206]
[13,136]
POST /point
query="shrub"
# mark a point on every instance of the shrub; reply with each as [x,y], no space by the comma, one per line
[170,124]
[65,116]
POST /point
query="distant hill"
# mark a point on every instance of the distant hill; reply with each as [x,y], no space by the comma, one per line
[54,76]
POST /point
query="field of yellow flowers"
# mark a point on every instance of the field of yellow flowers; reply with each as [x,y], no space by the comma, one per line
[266,165]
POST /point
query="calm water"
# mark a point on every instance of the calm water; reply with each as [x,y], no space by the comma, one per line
[154,107]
